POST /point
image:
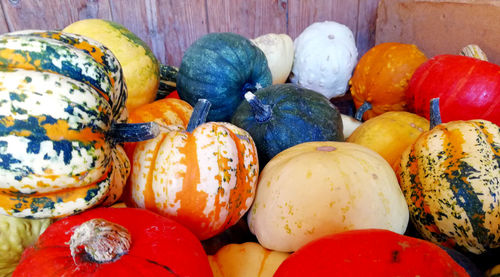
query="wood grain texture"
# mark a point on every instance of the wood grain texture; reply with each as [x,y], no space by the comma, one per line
[21,14]
[302,13]
[365,31]
[3,23]
[169,26]
[441,27]
[247,18]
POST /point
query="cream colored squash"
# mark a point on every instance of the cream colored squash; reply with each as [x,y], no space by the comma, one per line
[279,51]
[350,124]
[246,259]
[15,235]
[318,188]
[325,56]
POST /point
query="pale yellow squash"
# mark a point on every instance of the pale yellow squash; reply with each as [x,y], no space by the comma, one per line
[246,259]
[318,188]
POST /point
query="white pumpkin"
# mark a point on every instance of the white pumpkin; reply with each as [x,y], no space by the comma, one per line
[318,188]
[15,235]
[279,51]
[325,56]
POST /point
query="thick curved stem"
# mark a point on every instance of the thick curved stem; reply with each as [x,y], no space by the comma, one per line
[261,111]
[435,113]
[132,132]
[199,115]
[362,109]
[103,241]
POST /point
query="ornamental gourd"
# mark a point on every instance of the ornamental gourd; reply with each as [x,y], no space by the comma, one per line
[390,133]
[369,252]
[469,88]
[139,64]
[62,117]
[258,261]
[279,52]
[325,55]
[281,116]
[115,242]
[203,177]
[450,179]
[318,188]
[381,77]
[222,67]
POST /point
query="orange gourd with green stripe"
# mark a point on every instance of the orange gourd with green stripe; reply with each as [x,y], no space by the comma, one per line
[62,119]
[450,177]
[203,177]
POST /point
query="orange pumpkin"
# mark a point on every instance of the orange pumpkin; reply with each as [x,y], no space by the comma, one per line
[204,177]
[381,78]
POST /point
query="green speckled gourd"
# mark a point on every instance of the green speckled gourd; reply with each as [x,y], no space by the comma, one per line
[221,67]
[450,177]
[283,115]
[62,117]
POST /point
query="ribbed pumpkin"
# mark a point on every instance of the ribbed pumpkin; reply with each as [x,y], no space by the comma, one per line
[140,66]
[258,261]
[450,178]
[381,77]
[222,67]
[115,242]
[281,116]
[469,88]
[62,114]
[390,133]
[370,252]
[318,188]
[203,177]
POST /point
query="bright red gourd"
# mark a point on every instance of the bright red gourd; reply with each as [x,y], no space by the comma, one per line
[158,247]
[370,252]
[469,88]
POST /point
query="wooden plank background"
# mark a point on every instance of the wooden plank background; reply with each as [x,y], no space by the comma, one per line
[169,27]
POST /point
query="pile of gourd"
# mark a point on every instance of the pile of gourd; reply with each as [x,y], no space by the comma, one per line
[248,139]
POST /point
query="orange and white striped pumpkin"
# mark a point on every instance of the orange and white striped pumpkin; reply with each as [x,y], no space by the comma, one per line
[204,179]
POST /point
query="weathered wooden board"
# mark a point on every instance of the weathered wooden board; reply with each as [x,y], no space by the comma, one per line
[441,27]
[169,27]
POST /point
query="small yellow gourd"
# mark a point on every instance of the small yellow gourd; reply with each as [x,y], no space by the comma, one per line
[258,261]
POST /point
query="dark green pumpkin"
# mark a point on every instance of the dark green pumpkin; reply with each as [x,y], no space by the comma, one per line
[221,67]
[283,115]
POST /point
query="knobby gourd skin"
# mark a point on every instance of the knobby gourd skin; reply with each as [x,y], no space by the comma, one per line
[61,94]
[450,179]
[204,179]
[222,67]
[381,77]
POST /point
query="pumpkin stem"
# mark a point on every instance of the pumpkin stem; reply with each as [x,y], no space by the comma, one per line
[262,112]
[199,115]
[168,81]
[362,109]
[435,113]
[132,132]
[101,240]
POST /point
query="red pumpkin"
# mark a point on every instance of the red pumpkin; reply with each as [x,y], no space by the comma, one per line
[469,88]
[370,252]
[158,246]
